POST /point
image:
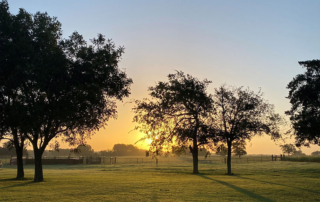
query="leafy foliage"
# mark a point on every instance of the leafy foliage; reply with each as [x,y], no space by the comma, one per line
[241,114]
[127,150]
[175,114]
[304,95]
[222,150]
[239,148]
[315,153]
[62,87]
[288,148]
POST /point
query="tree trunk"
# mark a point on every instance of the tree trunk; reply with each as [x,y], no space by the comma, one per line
[229,143]
[18,145]
[38,173]
[195,156]
[20,171]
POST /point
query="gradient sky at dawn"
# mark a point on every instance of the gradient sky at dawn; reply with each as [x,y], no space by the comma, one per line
[242,43]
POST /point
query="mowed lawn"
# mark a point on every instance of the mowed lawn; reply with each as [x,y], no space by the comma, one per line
[267,181]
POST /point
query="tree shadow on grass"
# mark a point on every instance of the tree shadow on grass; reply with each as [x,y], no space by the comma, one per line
[273,183]
[15,179]
[25,181]
[239,189]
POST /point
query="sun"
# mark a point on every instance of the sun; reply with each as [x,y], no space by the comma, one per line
[148,141]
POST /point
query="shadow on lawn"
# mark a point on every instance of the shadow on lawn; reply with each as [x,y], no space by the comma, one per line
[15,180]
[239,189]
[273,183]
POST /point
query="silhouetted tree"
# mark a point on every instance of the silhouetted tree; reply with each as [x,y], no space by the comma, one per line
[65,87]
[179,150]
[176,113]
[84,150]
[184,150]
[106,153]
[240,115]
[14,54]
[239,148]
[304,95]
[298,153]
[288,148]
[9,150]
[222,150]
[127,150]
[315,153]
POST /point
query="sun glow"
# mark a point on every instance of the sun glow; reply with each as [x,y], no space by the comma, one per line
[148,141]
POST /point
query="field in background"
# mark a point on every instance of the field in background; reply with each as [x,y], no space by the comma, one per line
[303,158]
[266,181]
[5,159]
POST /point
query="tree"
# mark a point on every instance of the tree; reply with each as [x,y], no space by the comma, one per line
[106,153]
[298,153]
[288,148]
[179,150]
[66,87]
[240,115]
[239,148]
[14,54]
[304,95]
[9,150]
[9,145]
[127,150]
[84,150]
[222,150]
[176,114]
[315,153]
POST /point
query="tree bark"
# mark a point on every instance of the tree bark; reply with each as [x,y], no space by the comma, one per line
[229,143]
[38,172]
[18,145]
[195,156]
[20,171]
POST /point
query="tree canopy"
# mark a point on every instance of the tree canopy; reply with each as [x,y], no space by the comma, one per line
[241,114]
[304,95]
[239,148]
[315,153]
[64,87]
[176,113]
[222,150]
[288,148]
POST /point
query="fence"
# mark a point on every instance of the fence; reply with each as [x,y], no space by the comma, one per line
[214,159]
[243,159]
[5,160]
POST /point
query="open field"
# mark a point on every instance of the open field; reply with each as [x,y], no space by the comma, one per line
[303,158]
[266,181]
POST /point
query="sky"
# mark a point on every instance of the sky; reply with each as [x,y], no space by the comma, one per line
[255,44]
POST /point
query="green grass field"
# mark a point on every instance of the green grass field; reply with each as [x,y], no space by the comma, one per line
[266,181]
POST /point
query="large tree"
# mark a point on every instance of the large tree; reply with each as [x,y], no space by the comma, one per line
[176,113]
[15,53]
[241,114]
[304,95]
[68,87]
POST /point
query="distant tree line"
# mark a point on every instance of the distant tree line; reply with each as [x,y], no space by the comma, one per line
[86,150]
[4,151]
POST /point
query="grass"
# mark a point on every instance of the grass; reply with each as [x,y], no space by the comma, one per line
[303,158]
[266,181]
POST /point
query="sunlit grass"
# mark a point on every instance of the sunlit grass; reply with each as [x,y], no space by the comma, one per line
[267,181]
